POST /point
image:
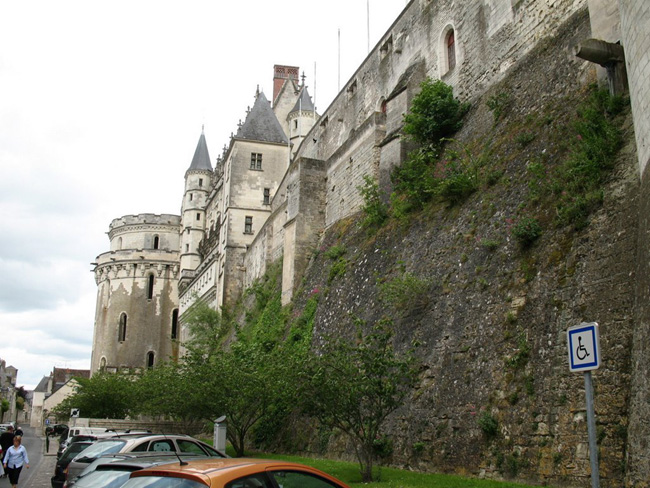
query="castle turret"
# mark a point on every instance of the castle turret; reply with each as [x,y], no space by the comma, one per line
[136,320]
[301,119]
[198,181]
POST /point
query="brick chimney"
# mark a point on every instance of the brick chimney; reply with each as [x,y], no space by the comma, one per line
[282,74]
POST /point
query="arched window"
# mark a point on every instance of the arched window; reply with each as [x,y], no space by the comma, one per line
[156,242]
[175,324]
[119,243]
[150,287]
[121,332]
[102,364]
[150,359]
[450,42]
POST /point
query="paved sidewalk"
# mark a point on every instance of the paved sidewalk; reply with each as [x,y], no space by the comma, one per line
[40,477]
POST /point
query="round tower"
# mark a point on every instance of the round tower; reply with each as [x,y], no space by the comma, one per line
[198,181]
[136,318]
[301,119]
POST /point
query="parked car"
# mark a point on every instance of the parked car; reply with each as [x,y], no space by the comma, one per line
[64,459]
[86,435]
[56,429]
[114,471]
[234,473]
[139,443]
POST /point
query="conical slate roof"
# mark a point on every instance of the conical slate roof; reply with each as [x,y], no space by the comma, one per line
[201,159]
[261,124]
[303,103]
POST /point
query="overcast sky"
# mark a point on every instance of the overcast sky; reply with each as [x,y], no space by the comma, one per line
[101,108]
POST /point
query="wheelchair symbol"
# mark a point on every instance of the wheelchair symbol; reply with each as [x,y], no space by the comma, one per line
[581,351]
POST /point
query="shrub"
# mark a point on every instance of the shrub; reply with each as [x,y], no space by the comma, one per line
[488,425]
[527,230]
[434,114]
[375,209]
[578,186]
[335,252]
[498,104]
[405,291]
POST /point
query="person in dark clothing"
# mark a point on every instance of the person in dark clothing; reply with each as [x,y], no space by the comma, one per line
[7,438]
[6,441]
[18,431]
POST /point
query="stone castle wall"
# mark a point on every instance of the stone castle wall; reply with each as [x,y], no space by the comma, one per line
[635,25]
[358,134]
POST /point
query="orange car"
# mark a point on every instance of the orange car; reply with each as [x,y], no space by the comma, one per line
[233,473]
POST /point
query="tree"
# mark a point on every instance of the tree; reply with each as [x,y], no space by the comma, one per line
[105,395]
[242,380]
[4,407]
[354,387]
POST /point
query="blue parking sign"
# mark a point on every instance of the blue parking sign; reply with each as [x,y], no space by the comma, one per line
[584,349]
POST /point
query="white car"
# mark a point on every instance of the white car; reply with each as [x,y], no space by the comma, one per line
[140,443]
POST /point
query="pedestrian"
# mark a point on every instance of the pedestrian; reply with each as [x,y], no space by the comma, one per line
[14,460]
[18,431]
[6,441]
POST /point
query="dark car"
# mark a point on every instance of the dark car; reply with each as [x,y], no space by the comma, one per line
[77,438]
[113,470]
[64,459]
[56,429]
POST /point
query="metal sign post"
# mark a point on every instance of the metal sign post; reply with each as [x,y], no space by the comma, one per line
[584,355]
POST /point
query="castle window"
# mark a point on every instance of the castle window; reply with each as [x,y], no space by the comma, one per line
[198,216]
[200,181]
[191,197]
[150,287]
[451,50]
[267,196]
[102,364]
[187,248]
[150,359]
[248,225]
[175,324]
[256,161]
[295,124]
[119,243]
[156,242]
[121,332]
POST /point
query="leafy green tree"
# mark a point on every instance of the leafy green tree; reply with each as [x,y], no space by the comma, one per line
[243,381]
[166,390]
[434,114]
[4,407]
[105,395]
[207,329]
[354,387]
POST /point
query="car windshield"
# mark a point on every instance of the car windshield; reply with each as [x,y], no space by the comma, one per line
[99,448]
[73,450]
[161,482]
[105,479]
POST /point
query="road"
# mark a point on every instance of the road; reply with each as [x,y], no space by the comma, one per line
[41,463]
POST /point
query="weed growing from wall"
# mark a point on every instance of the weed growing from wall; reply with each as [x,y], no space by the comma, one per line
[405,291]
[498,105]
[376,211]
